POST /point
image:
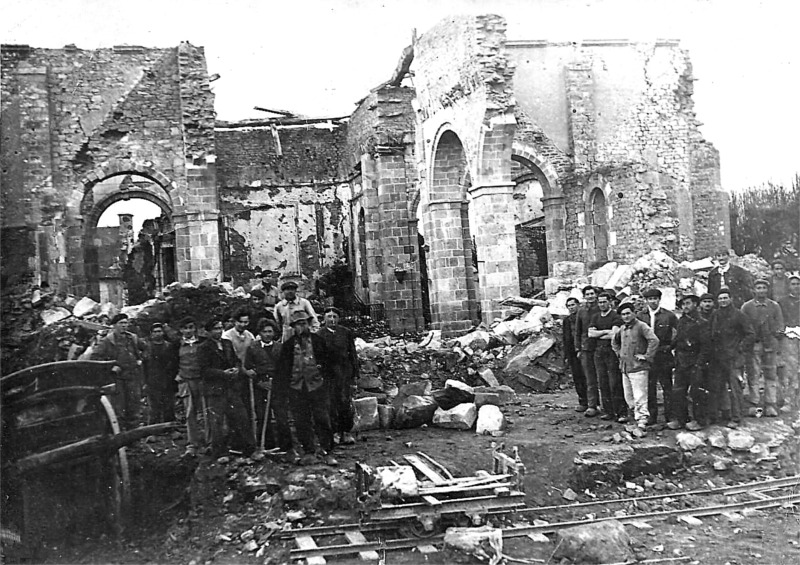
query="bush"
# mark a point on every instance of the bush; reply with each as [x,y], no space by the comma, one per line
[765,220]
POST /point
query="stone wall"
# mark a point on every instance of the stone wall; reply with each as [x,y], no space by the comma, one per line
[73,118]
[283,200]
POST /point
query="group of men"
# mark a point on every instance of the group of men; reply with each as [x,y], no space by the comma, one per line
[620,349]
[242,390]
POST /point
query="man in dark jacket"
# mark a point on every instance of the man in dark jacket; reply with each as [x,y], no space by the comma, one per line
[344,372]
[222,383]
[602,326]
[127,350]
[160,369]
[692,344]
[303,370]
[737,280]
[571,355]
[766,318]
[585,346]
[732,338]
[664,324]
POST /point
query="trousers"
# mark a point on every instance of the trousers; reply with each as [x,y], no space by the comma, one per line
[762,374]
[578,378]
[229,406]
[193,401]
[731,398]
[128,402]
[660,374]
[635,386]
[311,410]
[690,382]
[790,372]
[590,374]
[609,380]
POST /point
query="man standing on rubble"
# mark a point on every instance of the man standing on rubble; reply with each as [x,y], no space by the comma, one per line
[664,324]
[732,338]
[766,318]
[571,356]
[635,345]
[190,385]
[126,350]
[585,346]
[292,303]
[160,369]
[344,371]
[602,328]
[303,370]
[790,348]
[692,344]
[222,382]
[736,279]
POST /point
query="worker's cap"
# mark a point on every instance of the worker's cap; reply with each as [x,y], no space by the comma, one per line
[157,326]
[764,282]
[793,277]
[187,321]
[288,285]
[780,262]
[334,310]
[706,296]
[257,293]
[724,290]
[693,297]
[625,306]
[118,318]
[652,293]
[299,316]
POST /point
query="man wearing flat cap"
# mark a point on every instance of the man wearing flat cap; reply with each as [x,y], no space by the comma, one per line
[766,318]
[304,370]
[292,303]
[692,347]
[127,350]
[707,304]
[664,324]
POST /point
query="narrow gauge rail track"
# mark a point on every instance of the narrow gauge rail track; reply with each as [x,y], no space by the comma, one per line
[307,547]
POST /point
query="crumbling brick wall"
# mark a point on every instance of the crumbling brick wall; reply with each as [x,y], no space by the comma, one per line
[283,198]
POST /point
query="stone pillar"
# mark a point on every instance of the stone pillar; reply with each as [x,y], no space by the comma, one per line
[555,221]
[197,246]
[495,238]
[450,300]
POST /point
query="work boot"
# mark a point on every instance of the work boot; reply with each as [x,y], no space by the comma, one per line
[733,425]
[770,411]
[674,425]
[622,420]
[191,451]
[347,439]
[581,408]
[606,416]
[590,412]
[754,412]
[694,426]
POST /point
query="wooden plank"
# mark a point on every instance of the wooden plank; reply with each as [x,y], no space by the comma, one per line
[432,491]
[356,537]
[425,549]
[431,500]
[423,468]
[307,542]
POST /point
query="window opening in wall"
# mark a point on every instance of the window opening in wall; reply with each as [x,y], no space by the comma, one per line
[598,225]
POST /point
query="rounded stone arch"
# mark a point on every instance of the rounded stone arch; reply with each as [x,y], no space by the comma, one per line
[553,200]
[598,213]
[93,217]
[450,165]
[121,167]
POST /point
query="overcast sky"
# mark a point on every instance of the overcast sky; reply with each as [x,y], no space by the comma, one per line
[319,57]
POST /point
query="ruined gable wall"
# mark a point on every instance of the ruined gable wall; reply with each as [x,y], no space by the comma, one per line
[283,210]
[621,111]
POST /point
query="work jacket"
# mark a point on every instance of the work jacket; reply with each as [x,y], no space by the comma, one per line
[692,342]
[582,340]
[665,324]
[568,335]
[790,307]
[283,379]
[263,359]
[767,320]
[631,340]
[161,365]
[731,333]
[126,350]
[213,362]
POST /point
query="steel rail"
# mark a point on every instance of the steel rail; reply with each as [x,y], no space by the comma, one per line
[513,532]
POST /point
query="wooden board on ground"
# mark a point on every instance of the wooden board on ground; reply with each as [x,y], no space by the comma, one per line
[356,537]
[307,542]
[425,469]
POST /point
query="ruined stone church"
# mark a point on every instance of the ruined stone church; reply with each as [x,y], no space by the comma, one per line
[480,164]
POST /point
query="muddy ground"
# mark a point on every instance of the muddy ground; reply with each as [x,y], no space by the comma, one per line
[199,511]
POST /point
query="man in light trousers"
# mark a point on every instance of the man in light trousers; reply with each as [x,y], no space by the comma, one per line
[635,344]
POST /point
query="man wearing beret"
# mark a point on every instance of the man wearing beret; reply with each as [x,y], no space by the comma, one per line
[304,370]
[664,324]
[766,318]
[635,345]
[127,350]
[692,345]
[292,303]
[732,337]
[790,352]
[737,280]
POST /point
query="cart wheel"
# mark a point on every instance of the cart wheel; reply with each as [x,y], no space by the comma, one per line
[120,479]
[416,529]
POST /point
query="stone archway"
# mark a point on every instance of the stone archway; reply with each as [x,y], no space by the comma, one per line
[597,226]
[451,268]
[97,195]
